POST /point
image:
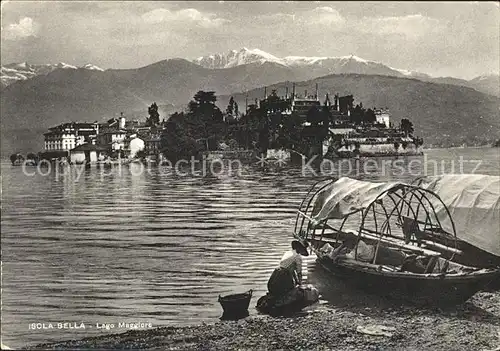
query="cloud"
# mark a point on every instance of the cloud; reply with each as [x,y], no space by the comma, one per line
[413,35]
[319,16]
[185,15]
[26,27]
[411,26]
[275,18]
[314,21]
[326,15]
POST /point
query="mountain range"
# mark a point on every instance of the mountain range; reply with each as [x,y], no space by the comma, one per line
[321,66]
[14,72]
[304,67]
[68,93]
[324,65]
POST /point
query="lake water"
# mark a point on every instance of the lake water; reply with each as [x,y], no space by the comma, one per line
[156,247]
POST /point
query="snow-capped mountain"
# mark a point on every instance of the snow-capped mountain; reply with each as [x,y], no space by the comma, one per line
[320,65]
[308,61]
[311,67]
[14,72]
[235,58]
[92,67]
[246,56]
[411,74]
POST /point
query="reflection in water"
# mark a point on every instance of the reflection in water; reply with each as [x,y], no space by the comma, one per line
[152,246]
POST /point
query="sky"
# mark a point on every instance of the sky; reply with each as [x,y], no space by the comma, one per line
[459,39]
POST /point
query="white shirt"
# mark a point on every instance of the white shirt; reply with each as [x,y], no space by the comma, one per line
[292,260]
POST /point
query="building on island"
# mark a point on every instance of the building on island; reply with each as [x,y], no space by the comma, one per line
[152,144]
[112,138]
[87,153]
[352,130]
[59,140]
[91,142]
[118,123]
[66,136]
[383,117]
[301,105]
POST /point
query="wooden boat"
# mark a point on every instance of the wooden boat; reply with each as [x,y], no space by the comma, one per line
[236,305]
[374,235]
[16,159]
[473,202]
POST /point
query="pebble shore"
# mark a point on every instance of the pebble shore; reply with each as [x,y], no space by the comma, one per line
[473,326]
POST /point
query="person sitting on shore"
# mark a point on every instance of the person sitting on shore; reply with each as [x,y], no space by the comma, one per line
[287,293]
[289,272]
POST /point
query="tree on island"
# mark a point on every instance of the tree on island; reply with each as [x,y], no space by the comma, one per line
[154,116]
[263,142]
[205,119]
[406,126]
[232,108]
[418,141]
[14,158]
[271,113]
[249,127]
[356,116]
[290,133]
[236,110]
[186,132]
[33,158]
[314,116]
[359,115]
[176,140]
[369,116]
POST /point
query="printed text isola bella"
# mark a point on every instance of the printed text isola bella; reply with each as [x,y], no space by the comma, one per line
[81,325]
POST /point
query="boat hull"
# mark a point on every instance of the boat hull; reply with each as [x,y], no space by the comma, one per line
[470,256]
[420,290]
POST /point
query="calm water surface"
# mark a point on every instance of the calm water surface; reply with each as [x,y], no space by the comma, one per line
[154,247]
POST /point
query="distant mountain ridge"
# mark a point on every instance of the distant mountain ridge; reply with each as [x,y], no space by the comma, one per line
[342,64]
[321,66]
[64,95]
[14,72]
[235,58]
[298,67]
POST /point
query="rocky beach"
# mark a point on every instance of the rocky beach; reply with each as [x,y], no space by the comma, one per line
[473,326]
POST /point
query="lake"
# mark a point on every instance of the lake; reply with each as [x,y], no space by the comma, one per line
[158,247]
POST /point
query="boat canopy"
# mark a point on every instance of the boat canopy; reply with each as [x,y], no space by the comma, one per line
[393,213]
[346,196]
[473,201]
